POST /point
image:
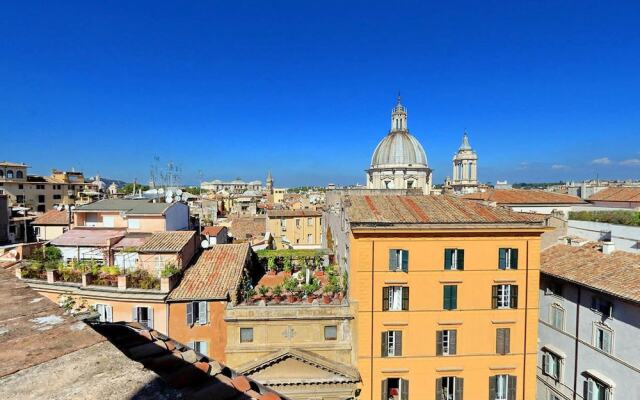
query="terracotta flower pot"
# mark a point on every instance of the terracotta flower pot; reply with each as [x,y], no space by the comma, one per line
[292,298]
[326,298]
[271,272]
[319,273]
[277,299]
[311,298]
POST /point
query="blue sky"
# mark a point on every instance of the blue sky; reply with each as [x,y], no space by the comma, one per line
[546,90]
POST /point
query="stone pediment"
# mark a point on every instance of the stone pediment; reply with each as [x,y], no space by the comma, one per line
[299,367]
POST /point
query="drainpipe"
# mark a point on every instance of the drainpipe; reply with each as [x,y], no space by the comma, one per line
[526,319]
[575,363]
[373,257]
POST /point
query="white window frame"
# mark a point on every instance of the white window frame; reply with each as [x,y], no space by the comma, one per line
[105,311]
[502,387]
[554,365]
[246,329]
[309,221]
[604,328]
[198,347]
[450,391]
[504,296]
[395,298]
[391,343]
[553,309]
[446,342]
[454,260]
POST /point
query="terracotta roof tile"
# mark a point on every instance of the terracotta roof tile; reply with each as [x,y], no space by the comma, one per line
[212,230]
[617,194]
[215,275]
[293,213]
[52,217]
[520,196]
[167,242]
[89,237]
[386,209]
[616,273]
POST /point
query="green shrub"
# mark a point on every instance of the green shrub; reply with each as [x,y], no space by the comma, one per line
[263,290]
[277,290]
[142,279]
[622,217]
[290,285]
[52,253]
[169,269]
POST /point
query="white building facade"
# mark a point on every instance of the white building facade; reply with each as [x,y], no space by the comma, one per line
[465,168]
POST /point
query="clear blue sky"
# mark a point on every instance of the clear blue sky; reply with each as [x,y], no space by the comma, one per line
[547,90]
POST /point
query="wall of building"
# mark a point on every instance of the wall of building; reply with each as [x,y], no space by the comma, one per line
[295,233]
[214,332]
[147,223]
[622,366]
[4,219]
[177,217]
[626,238]
[49,232]
[477,359]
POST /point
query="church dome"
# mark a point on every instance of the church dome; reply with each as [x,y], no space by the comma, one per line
[399,148]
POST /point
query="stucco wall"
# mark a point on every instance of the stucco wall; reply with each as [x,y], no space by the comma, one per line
[624,237]
[214,332]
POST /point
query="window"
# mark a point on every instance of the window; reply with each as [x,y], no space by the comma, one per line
[105,312]
[9,174]
[57,197]
[551,364]
[309,221]
[508,259]
[395,298]
[108,221]
[504,296]
[395,388]
[298,223]
[143,315]
[246,335]
[159,264]
[391,343]
[449,388]
[40,187]
[309,238]
[446,342]
[41,208]
[603,338]
[200,346]
[133,223]
[409,184]
[398,260]
[450,300]
[502,387]
[197,313]
[556,316]
[503,341]
[20,198]
[1,173]
[41,198]
[330,332]
[596,390]
[453,259]
[21,186]
[283,224]
[602,306]
[19,174]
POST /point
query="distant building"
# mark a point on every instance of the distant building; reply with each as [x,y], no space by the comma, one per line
[589,325]
[617,197]
[295,229]
[537,201]
[399,161]
[216,234]
[503,185]
[51,224]
[465,168]
[278,195]
[586,189]
[269,183]
[236,186]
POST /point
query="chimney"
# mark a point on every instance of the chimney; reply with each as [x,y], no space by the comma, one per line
[608,247]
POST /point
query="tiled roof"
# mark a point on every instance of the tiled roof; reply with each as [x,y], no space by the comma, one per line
[617,194]
[293,213]
[216,274]
[131,207]
[519,196]
[247,228]
[212,230]
[133,240]
[195,375]
[53,217]
[89,237]
[383,210]
[47,354]
[167,242]
[617,273]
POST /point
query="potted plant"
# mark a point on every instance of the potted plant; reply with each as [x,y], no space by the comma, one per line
[248,295]
[288,266]
[291,286]
[327,295]
[264,292]
[277,294]
[271,266]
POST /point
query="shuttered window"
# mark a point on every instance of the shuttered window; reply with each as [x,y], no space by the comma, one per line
[551,365]
[556,316]
[453,259]
[395,298]
[395,388]
[105,312]
[507,258]
[201,347]
[596,390]
[504,296]
[143,315]
[197,313]
[450,297]
[603,338]
[391,344]
[447,342]
[602,306]
[503,387]
[398,260]
[503,340]
[449,388]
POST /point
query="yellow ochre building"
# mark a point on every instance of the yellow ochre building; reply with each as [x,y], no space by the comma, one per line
[445,293]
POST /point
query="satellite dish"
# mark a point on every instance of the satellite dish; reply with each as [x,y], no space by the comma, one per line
[204,244]
[168,199]
[179,192]
[169,193]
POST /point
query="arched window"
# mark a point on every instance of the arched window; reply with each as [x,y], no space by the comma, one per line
[19,175]
[1,173]
[9,174]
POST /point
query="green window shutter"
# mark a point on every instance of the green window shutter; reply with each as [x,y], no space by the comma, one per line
[494,296]
[448,257]
[398,337]
[454,297]
[385,344]
[513,387]
[385,389]
[405,298]
[385,298]
[514,259]
[190,314]
[404,389]
[393,260]
[438,343]
[492,387]
[445,297]
[405,260]
[507,340]
[439,392]
[500,341]
[453,342]
[514,296]
[502,256]
[460,265]
[459,388]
